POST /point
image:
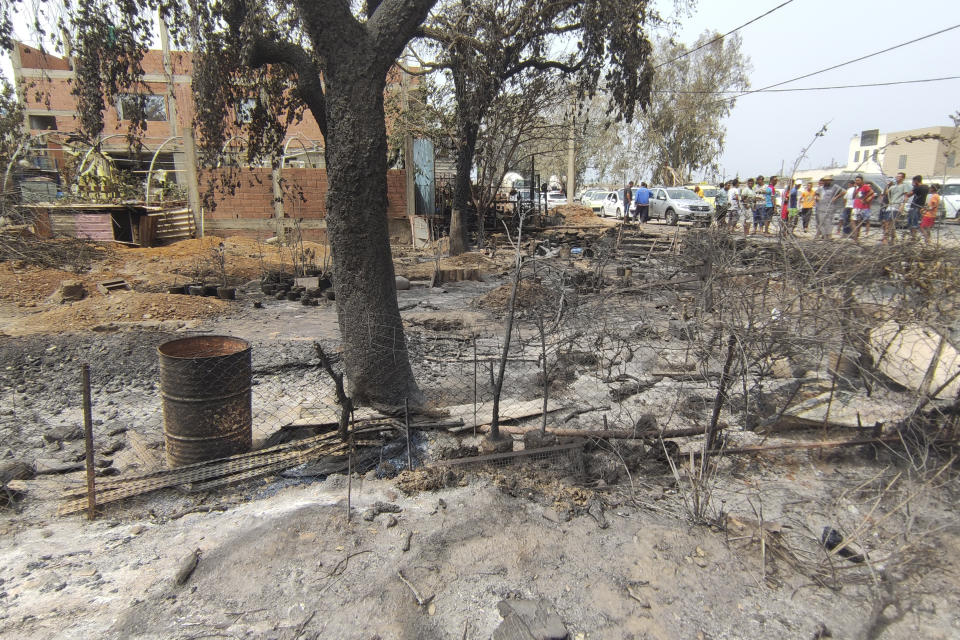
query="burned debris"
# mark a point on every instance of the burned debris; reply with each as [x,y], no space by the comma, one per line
[648,372]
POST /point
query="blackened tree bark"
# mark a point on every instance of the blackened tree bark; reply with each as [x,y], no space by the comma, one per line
[467,131]
[357,57]
[375,354]
[287,55]
[347,102]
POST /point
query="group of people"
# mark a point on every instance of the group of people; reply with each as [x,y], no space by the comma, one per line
[758,201]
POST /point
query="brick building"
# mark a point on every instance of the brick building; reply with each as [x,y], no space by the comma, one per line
[265,200]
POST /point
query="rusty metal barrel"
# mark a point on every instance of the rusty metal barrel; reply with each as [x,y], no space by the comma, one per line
[205,386]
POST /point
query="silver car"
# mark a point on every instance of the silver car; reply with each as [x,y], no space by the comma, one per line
[673,204]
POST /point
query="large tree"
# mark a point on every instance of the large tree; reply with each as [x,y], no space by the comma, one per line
[486,43]
[321,55]
[682,129]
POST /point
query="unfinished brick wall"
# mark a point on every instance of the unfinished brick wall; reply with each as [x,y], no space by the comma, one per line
[248,210]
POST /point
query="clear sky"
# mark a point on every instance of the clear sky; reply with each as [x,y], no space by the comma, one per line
[766,129]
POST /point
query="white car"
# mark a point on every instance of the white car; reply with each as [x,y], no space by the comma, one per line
[950,198]
[594,199]
[555,199]
[614,204]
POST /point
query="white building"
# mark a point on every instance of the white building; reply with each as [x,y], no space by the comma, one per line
[930,152]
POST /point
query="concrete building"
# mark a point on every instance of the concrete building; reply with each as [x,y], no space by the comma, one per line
[929,151]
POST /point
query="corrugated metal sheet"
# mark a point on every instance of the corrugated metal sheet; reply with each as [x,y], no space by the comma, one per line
[173,225]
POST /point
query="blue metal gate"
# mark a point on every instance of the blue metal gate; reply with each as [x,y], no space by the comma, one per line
[423,177]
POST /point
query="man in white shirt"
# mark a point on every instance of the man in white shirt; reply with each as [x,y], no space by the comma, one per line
[849,195]
[734,207]
[896,199]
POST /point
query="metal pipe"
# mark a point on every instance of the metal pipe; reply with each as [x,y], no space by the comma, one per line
[146,196]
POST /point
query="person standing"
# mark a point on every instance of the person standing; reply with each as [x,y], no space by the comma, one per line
[844,226]
[748,200]
[862,197]
[828,198]
[884,207]
[930,211]
[896,200]
[734,208]
[642,201]
[757,205]
[808,199]
[769,204]
[916,199]
[721,204]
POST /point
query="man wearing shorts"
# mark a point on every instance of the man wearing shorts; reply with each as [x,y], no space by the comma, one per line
[930,212]
[808,199]
[895,201]
[863,195]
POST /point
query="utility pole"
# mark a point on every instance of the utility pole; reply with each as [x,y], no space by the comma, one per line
[571,158]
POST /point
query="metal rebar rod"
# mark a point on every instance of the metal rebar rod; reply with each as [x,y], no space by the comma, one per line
[406,422]
[88,442]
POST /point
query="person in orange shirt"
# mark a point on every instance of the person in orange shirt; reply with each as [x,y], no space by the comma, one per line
[930,211]
[808,200]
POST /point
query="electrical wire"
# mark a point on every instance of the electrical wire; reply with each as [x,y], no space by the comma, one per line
[838,86]
[843,64]
[721,37]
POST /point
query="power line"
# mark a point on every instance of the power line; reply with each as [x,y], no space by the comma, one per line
[843,64]
[838,86]
[721,37]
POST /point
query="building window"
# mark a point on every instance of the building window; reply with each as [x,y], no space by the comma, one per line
[152,108]
[856,156]
[869,137]
[951,160]
[902,162]
[43,123]
[874,155]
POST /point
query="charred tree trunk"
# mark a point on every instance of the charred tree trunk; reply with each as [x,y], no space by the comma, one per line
[375,352]
[467,132]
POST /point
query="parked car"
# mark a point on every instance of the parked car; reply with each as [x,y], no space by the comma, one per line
[707,192]
[614,204]
[950,198]
[595,199]
[673,204]
[555,199]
